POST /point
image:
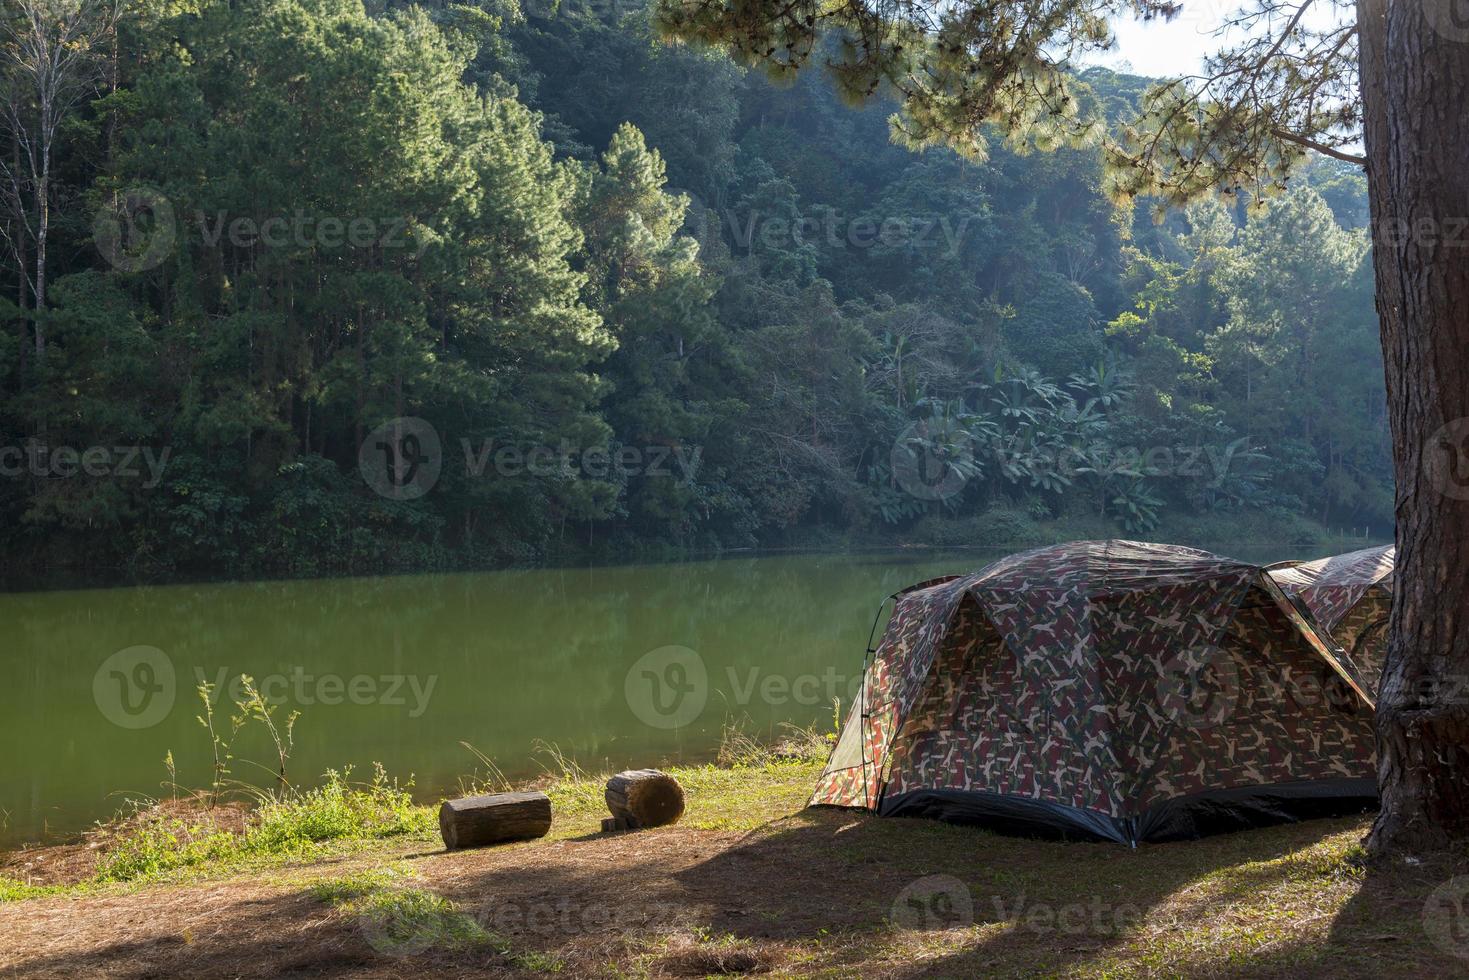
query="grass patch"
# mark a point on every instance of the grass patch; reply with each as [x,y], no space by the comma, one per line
[350,888]
[752,783]
[12,890]
[297,825]
[739,798]
[747,797]
[340,813]
[707,955]
[156,849]
[740,750]
[404,921]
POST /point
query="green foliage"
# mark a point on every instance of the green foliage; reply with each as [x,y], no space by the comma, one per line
[404,921]
[12,890]
[338,810]
[255,706]
[964,72]
[155,849]
[1136,508]
[728,312]
[350,888]
[401,920]
[219,745]
[299,823]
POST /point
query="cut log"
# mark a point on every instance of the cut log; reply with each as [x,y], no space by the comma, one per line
[645,798]
[479,820]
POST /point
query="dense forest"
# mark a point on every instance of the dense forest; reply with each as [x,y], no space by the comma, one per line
[628,297]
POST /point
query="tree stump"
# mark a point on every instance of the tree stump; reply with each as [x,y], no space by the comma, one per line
[643,798]
[479,820]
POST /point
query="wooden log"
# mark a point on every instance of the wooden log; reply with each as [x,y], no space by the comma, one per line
[479,820]
[645,798]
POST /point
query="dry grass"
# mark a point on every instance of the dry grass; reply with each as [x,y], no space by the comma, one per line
[739,748]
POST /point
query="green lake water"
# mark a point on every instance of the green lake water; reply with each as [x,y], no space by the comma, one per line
[616,666]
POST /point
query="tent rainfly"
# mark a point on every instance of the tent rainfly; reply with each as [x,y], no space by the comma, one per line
[1105,690]
[1350,597]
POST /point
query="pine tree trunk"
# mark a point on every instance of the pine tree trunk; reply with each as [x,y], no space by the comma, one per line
[43,231]
[1415,88]
[22,263]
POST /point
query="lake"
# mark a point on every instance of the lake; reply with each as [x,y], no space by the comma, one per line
[625,666]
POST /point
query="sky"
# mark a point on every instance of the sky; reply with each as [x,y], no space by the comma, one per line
[1178,47]
[1168,49]
[1159,49]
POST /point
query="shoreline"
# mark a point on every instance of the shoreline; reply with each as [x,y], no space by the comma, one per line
[956,535]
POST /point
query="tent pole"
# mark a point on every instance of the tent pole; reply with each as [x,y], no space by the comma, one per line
[867,662]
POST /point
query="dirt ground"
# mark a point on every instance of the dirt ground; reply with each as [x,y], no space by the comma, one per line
[816,893]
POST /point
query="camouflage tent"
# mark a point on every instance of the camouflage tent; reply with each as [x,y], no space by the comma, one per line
[1350,597]
[1108,690]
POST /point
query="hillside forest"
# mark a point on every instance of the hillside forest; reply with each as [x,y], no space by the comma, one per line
[304,286]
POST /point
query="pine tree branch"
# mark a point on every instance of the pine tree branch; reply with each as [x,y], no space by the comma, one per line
[1319,147]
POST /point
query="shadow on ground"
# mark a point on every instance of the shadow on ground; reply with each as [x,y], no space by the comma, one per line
[256,937]
[830,892]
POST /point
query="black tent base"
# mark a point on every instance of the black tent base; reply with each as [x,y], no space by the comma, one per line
[1182,818]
